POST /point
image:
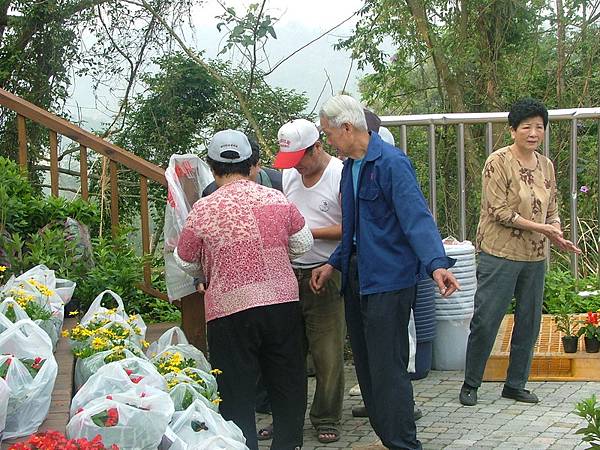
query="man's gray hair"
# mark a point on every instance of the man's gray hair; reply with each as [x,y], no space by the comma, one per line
[344,109]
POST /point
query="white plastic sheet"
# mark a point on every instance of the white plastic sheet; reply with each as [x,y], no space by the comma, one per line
[187,176]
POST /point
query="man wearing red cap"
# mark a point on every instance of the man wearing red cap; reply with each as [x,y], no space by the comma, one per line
[311,181]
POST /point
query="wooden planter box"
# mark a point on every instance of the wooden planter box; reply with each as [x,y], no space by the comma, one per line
[550,362]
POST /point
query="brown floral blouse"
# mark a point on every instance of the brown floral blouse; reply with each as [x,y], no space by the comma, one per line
[509,191]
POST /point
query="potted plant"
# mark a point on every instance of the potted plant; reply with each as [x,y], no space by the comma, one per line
[565,323]
[590,330]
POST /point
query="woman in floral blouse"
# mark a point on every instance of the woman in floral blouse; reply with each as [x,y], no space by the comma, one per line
[519,212]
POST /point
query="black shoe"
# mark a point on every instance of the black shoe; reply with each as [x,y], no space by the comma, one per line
[418,413]
[468,395]
[359,411]
[520,395]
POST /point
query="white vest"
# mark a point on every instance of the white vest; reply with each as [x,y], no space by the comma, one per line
[320,205]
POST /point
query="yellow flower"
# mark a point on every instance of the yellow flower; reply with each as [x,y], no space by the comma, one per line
[65,333]
[217,400]
[98,343]
[145,343]
[44,290]
[3,268]
[216,371]
[73,313]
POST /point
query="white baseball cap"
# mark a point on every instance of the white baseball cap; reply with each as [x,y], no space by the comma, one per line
[229,146]
[294,138]
[386,135]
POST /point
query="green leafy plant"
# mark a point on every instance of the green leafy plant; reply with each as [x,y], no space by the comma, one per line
[565,322]
[590,411]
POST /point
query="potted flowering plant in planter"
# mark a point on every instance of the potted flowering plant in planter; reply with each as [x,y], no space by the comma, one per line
[565,323]
[590,330]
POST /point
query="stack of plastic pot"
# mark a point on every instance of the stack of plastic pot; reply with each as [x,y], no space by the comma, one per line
[454,313]
[425,323]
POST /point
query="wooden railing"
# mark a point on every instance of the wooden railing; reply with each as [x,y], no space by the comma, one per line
[87,141]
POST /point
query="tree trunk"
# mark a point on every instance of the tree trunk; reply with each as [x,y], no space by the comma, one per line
[454,92]
[560,50]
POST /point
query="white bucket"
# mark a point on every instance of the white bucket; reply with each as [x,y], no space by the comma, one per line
[450,343]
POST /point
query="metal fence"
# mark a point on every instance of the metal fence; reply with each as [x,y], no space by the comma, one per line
[459,120]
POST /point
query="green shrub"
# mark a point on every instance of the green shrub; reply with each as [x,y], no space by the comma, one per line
[32,232]
[561,291]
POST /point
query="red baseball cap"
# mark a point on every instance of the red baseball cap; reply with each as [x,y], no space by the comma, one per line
[294,138]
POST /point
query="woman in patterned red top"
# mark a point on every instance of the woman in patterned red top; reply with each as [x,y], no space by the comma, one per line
[519,212]
[242,237]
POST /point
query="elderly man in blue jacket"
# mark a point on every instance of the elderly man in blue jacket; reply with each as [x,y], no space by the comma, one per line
[388,235]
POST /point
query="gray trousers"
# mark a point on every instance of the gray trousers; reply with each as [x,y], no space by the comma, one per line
[325,334]
[498,281]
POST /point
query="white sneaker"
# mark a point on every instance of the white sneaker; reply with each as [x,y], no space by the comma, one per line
[355,391]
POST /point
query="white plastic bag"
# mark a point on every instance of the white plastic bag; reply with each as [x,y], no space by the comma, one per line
[26,282]
[220,443]
[30,397]
[65,289]
[5,323]
[174,341]
[118,376]
[49,326]
[186,392]
[142,416]
[86,367]
[199,423]
[172,336]
[162,349]
[187,176]
[4,396]
[412,344]
[118,314]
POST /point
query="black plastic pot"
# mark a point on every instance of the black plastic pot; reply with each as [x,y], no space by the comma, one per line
[592,345]
[570,343]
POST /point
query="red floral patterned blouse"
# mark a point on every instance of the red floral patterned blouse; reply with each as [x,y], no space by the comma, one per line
[240,236]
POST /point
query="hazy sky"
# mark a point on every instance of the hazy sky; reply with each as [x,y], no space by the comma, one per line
[299,22]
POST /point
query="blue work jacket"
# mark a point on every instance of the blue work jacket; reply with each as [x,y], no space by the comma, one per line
[396,236]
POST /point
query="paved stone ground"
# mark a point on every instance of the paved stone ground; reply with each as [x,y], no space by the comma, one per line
[495,423]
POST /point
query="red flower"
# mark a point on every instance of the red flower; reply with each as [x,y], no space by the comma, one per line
[53,440]
[136,380]
[113,417]
[128,371]
[109,397]
[592,318]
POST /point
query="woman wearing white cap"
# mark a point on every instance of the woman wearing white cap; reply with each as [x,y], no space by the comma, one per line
[242,236]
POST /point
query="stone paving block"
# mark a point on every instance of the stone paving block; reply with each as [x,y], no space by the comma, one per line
[494,423]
